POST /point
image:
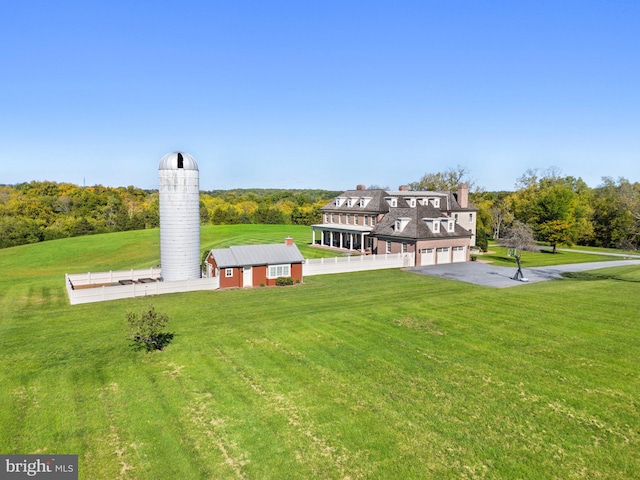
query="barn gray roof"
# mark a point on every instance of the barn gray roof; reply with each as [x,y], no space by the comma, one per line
[251,255]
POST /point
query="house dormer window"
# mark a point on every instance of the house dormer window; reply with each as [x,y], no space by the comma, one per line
[392,201]
[364,201]
[435,201]
[411,201]
[433,224]
[449,225]
[401,223]
[352,201]
[338,201]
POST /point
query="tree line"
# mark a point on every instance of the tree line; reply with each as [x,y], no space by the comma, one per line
[561,210]
[42,210]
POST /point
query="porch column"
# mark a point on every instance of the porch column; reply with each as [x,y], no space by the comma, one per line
[351,241]
[341,239]
[331,238]
[313,236]
[362,242]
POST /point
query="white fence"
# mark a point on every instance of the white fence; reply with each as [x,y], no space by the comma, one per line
[321,266]
[104,290]
[97,278]
[140,283]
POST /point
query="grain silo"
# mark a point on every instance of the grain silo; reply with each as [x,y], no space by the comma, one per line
[179,217]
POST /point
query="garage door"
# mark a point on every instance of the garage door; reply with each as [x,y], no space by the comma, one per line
[459,254]
[427,256]
[442,255]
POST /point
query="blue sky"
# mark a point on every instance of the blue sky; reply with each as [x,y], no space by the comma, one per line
[331,94]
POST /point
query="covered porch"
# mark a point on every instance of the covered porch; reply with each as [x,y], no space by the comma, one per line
[342,237]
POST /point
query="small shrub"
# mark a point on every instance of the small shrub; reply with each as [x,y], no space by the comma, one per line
[284,281]
[146,329]
[262,284]
[474,258]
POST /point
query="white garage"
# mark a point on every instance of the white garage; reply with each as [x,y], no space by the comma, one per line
[443,255]
[427,256]
[459,254]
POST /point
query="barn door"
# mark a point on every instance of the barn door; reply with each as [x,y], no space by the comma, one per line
[247,277]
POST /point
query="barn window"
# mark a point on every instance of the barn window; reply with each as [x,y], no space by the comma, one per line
[181,163]
[276,271]
[228,272]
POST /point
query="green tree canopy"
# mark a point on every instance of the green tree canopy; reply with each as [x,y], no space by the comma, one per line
[558,208]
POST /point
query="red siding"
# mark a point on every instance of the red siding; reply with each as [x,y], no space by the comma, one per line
[296,271]
[233,281]
[260,276]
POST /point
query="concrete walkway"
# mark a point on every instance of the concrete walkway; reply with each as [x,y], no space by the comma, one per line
[499,277]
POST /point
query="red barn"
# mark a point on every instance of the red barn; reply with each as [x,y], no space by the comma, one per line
[255,265]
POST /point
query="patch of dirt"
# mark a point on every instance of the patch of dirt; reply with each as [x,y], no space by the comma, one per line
[419,324]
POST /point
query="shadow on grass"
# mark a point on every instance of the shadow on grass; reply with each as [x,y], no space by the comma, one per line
[590,277]
[152,343]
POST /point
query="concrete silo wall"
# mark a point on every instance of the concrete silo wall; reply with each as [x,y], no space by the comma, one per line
[179,224]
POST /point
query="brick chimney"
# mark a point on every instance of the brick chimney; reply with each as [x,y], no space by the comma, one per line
[361,187]
[404,188]
[463,195]
[288,241]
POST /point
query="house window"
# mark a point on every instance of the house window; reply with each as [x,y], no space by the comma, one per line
[340,218]
[276,271]
[398,226]
[373,221]
[228,272]
[355,219]
[404,247]
[366,220]
[471,217]
[348,218]
[326,218]
[436,227]
[388,246]
[333,218]
[455,216]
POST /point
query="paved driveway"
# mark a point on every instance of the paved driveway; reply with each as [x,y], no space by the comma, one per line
[499,277]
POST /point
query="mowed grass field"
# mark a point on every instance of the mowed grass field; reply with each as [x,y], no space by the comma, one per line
[384,374]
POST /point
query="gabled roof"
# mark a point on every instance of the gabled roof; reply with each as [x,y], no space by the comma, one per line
[416,228]
[253,255]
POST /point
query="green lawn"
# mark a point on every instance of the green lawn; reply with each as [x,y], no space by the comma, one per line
[497,255]
[382,374]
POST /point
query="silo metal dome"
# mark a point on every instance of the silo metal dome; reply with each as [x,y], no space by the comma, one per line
[179,217]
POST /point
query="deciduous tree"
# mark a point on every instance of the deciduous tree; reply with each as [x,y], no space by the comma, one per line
[147,329]
[520,238]
[443,181]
